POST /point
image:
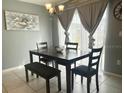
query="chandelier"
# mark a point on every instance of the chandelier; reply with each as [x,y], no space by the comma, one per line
[54,9]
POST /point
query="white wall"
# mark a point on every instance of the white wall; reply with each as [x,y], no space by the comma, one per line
[55,31]
[16,44]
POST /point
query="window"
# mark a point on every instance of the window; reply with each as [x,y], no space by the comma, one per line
[77,33]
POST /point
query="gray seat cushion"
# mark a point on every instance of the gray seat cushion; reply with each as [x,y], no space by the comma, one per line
[83,71]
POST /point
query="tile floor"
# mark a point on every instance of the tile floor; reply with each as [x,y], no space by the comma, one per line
[14,82]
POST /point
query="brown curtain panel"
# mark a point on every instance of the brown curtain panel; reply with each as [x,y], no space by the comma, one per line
[65,20]
[91,15]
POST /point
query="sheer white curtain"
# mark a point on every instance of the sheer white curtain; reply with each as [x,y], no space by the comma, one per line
[78,33]
[100,36]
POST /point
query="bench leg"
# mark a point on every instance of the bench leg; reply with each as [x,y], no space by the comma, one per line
[47,86]
[32,73]
[75,65]
[26,72]
[59,82]
[72,81]
[81,79]
[56,65]
[53,64]
[37,75]
[47,63]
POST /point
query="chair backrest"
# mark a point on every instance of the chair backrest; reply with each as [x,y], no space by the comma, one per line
[94,58]
[72,45]
[41,45]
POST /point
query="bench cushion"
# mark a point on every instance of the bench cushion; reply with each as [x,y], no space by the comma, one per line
[44,71]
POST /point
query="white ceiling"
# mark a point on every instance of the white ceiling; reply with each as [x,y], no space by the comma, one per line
[42,2]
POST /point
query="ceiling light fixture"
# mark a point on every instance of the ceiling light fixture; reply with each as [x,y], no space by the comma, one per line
[54,9]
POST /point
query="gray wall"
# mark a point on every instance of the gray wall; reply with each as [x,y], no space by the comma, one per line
[113,50]
[16,44]
[55,31]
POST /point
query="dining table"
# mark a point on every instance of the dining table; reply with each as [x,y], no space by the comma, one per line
[65,58]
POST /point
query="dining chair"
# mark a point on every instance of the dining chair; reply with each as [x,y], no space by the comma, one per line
[69,46]
[43,45]
[89,71]
[72,46]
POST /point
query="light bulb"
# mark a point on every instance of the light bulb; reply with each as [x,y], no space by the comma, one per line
[48,6]
[51,10]
[61,8]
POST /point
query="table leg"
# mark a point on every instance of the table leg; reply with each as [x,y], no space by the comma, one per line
[56,65]
[68,79]
[31,60]
[31,57]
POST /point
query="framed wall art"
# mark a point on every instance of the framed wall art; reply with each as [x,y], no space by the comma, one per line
[21,21]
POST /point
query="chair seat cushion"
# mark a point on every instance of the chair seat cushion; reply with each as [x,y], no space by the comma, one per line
[83,71]
[44,71]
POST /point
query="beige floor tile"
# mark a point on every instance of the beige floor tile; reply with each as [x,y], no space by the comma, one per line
[77,81]
[20,72]
[4,89]
[8,76]
[37,84]
[22,89]
[114,82]
[52,90]
[43,90]
[14,82]
[104,88]
[53,86]
[102,77]
[81,89]
[11,81]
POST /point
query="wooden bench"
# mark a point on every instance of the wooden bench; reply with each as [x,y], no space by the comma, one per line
[44,71]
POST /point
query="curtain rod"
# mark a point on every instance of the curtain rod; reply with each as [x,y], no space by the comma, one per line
[79,4]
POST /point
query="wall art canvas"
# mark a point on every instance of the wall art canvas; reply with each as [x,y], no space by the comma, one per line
[21,21]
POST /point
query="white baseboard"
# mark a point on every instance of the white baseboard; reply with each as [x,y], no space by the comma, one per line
[13,68]
[113,74]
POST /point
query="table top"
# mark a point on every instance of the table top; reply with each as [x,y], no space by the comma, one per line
[65,55]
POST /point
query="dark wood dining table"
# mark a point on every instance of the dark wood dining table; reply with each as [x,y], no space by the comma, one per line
[65,58]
